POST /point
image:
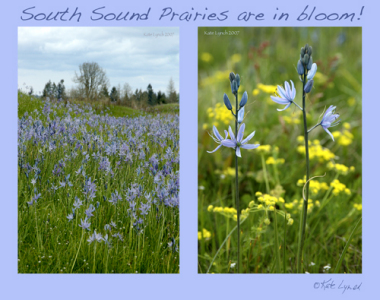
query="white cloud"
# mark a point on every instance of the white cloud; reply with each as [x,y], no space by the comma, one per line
[126,54]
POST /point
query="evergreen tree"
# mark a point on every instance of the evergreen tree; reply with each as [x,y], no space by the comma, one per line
[151,98]
[47,92]
[61,90]
[104,92]
[113,94]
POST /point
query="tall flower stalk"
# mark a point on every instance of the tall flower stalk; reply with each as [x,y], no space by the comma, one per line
[236,142]
[306,70]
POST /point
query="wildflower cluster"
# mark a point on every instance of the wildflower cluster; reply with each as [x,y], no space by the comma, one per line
[340,168]
[133,162]
[316,151]
[204,234]
[296,205]
[219,114]
[345,137]
[314,185]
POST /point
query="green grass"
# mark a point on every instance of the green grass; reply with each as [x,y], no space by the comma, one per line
[266,57]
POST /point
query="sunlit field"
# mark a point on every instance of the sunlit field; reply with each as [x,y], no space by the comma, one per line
[98,188]
[272,177]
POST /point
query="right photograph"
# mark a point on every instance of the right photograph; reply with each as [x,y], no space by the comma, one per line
[280,150]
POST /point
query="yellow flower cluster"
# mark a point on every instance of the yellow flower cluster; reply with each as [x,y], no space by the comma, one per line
[344,138]
[268,203]
[206,57]
[217,77]
[315,150]
[235,58]
[351,101]
[268,89]
[314,185]
[296,205]
[294,118]
[358,206]
[339,187]
[229,172]
[205,234]
[229,212]
[219,113]
[339,168]
[263,149]
[272,161]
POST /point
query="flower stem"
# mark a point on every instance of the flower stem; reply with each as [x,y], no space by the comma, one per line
[77,252]
[305,202]
[313,127]
[237,189]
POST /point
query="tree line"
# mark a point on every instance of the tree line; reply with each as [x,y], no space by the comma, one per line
[93,85]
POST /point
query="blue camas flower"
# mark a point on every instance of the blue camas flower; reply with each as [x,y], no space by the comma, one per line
[287,95]
[330,119]
[241,115]
[217,138]
[239,142]
[313,70]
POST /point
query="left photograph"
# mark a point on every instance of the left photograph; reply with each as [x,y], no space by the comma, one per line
[98,150]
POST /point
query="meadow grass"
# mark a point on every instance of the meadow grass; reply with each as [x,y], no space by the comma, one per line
[121,165]
[271,177]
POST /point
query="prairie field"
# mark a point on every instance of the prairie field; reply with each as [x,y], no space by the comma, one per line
[98,188]
[271,178]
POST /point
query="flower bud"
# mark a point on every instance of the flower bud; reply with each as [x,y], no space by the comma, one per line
[302,52]
[244,99]
[237,78]
[310,63]
[313,70]
[227,102]
[232,77]
[308,86]
[305,59]
[241,115]
[310,50]
[300,68]
[234,87]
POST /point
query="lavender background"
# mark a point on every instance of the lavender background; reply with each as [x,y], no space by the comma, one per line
[188,284]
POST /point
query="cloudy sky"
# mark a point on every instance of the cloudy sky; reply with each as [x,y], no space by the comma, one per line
[137,56]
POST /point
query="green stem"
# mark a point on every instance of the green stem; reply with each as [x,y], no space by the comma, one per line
[277,251]
[93,267]
[77,252]
[265,173]
[221,246]
[305,202]
[237,188]
[38,237]
[336,270]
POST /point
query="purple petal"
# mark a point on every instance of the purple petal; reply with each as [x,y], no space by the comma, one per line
[229,143]
[279,100]
[231,133]
[293,93]
[216,133]
[250,146]
[240,133]
[238,154]
[287,89]
[285,107]
[248,138]
[215,149]
[281,91]
[328,133]
[226,133]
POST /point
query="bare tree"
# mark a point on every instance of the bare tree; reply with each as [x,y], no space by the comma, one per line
[172,95]
[91,79]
